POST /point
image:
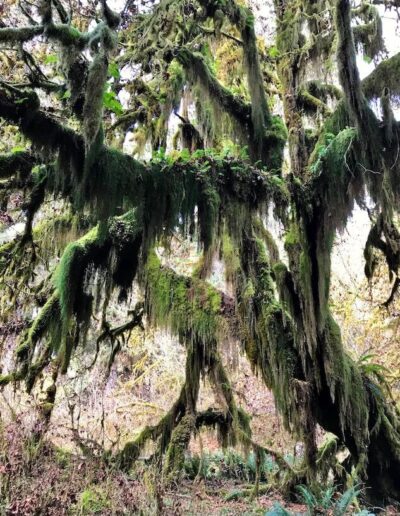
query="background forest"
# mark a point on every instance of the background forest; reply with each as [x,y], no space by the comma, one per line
[199,257]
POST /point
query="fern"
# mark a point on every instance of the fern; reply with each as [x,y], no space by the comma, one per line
[326,498]
[345,500]
[278,510]
[308,498]
[376,373]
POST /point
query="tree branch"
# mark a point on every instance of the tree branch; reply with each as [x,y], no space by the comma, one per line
[20,34]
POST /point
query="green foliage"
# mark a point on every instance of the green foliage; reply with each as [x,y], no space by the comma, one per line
[327,500]
[229,464]
[273,52]
[66,95]
[347,498]
[278,510]
[369,35]
[17,149]
[308,498]
[113,70]
[93,501]
[319,501]
[50,59]
[62,457]
[111,102]
[220,202]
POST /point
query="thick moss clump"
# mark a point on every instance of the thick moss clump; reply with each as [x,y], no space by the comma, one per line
[368,35]
[113,248]
[175,456]
[187,306]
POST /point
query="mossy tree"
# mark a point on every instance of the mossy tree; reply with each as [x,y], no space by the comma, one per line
[340,152]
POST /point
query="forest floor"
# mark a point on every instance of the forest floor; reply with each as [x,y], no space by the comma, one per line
[40,479]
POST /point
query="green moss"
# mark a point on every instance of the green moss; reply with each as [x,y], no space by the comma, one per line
[270,340]
[48,321]
[186,306]
[18,35]
[274,142]
[93,501]
[93,106]
[279,269]
[62,456]
[36,367]
[369,35]
[335,170]
[175,456]
[16,162]
[346,386]
[231,257]
[292,236]
[383,76]
[220,99]
[252,124]
[132,449]
[5,379]
[208,206]
[68,278]
[260,116]
[67,35]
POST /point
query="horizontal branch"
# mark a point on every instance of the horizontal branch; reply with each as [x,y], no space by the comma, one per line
[20,34]
[385,75]
[11,164]
[21,107]
[198,71]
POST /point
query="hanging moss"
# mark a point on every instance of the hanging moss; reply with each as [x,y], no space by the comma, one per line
[385,237]
[369,35]
[243,19]
[337,160]
[115,247]
[190,137]
[186,306]
[274,143]
[18,162]
[260,116]
[314,95]
[93,106]
[268,332]
[70,272]
[48,321]
[222,99]
[231,257]
[265,135]
[349,77]
[220,202]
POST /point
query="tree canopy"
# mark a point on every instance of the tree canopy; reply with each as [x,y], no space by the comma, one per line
[285,124]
